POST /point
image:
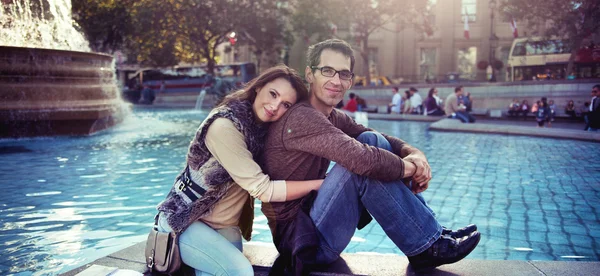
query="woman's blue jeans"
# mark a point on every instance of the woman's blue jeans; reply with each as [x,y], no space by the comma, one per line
[404,216]
[209,251]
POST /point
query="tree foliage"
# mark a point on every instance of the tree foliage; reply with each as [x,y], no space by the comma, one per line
[106,23]
[262,26]
[575,20]
[167,32]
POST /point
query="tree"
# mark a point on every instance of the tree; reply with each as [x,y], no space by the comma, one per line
[364,17]
[262,26]
[312,18]
[106,23]
[575,20]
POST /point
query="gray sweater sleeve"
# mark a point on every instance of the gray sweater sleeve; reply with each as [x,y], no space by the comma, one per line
[309,131]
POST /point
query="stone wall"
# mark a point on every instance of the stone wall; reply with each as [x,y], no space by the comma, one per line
[493,95]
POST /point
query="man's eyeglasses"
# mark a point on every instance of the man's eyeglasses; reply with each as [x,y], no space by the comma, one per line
[329,72]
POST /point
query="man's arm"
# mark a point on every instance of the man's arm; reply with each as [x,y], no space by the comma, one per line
[308,131]
[407,152]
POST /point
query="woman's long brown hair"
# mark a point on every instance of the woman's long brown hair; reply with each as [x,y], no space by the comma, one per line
[249,91]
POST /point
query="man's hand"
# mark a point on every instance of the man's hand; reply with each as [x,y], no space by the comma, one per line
[422,176]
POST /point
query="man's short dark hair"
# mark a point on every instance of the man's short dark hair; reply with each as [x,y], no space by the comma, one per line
[313,56]
[351,95]
[597,86]
[396,88]
[458,88]
[413,89]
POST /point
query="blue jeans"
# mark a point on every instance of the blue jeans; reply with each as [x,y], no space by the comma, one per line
[209,251]
[404,216]
[464,117]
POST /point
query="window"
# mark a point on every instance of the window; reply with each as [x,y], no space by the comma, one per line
[466,63]
[501,74]
[427,64]
[468,8]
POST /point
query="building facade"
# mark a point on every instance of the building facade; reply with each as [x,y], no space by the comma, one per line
[411,56]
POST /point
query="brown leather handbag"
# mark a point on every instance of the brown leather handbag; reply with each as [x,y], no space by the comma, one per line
[162,251]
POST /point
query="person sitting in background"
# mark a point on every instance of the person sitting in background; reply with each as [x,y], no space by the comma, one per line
[535,106]
[455,110]
[361,104]
[514,108]
[570,109]
[431,104]
[352,105]
[416,102]
[466,101]
[524,109]
[407,108]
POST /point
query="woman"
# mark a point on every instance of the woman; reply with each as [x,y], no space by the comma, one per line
[431,104]
[215,188]
[406,109]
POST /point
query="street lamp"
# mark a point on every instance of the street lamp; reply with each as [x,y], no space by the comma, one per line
[493,39]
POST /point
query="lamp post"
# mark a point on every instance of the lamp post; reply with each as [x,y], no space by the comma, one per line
[493,39]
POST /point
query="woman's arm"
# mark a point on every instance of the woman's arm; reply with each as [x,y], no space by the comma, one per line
[298,189]
[229,148]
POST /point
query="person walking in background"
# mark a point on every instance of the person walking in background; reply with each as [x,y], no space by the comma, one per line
[455,110]
[552,113]
[431,104]
[213,193]
[396,104]
[352,104]
[594,114]
[541,113]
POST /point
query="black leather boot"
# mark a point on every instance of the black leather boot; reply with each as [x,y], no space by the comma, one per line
[445,250]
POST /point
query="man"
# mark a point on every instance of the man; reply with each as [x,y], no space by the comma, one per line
[594,114]
[316,229]
[455,110]
[396,103]
[351,106]
[416,102]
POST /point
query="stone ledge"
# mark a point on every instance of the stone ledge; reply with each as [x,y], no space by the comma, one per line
[456,125]
[262,255]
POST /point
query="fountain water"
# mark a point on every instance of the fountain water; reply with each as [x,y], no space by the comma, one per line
[50,84]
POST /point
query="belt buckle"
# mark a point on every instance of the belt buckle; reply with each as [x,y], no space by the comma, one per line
[181,186]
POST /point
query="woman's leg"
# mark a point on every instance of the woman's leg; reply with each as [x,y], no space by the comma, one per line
[208,251]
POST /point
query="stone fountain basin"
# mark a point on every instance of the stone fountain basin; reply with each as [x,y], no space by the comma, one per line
[46,92]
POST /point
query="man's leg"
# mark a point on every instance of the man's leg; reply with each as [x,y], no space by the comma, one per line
[341,199]
[461,116]
[404,218]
